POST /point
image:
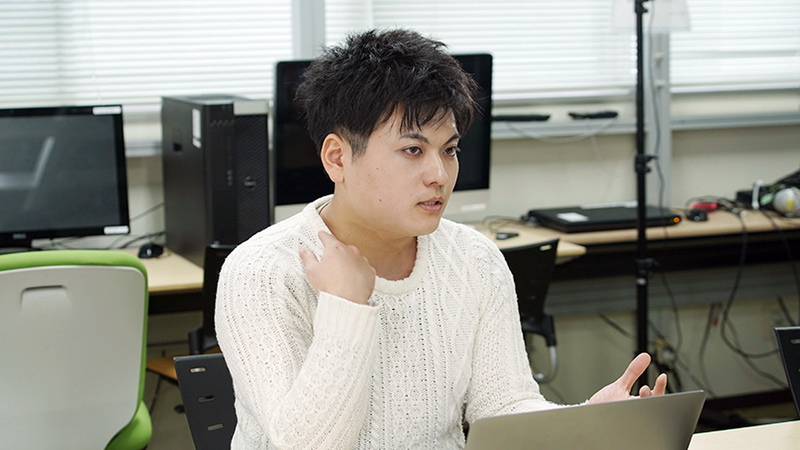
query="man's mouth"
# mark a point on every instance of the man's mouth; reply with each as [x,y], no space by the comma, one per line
[432,205]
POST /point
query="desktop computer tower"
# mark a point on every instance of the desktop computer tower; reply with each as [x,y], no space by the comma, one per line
[216,171]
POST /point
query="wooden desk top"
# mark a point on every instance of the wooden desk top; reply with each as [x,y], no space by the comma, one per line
[718,223]
[566,250]
[776,436]
[171,273]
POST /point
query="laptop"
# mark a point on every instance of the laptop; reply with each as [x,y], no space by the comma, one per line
[664,422]
[601,217]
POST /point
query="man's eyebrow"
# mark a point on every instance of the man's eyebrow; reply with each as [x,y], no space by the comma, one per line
[420,137]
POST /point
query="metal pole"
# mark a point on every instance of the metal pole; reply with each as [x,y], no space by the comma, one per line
[644,264]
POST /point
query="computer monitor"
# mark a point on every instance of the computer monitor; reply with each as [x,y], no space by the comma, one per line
[62,173]
[299,178]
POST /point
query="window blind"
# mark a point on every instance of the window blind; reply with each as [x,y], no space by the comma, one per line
[59,52]
[542,46]
[55,52]
[537,45]
[738,42]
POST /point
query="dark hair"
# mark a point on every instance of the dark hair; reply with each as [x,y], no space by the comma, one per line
[352,89]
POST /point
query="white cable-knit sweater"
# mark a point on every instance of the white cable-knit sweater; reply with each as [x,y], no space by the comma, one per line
[315,371]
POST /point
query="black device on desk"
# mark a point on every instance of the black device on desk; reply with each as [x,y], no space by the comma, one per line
[150,250]
[215,155]
[578,219]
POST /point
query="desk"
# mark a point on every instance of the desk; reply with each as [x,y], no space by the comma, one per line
[566,250]
[719,223]
[716,242]
[174,282]
[704,257]
[171,273]
[698,263]
[776,436]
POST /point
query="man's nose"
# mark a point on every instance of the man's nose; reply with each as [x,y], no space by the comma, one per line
[435,171]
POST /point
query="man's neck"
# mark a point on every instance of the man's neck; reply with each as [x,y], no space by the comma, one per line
[392,258]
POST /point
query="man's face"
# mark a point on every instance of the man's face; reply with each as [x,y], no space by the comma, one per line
[402,182]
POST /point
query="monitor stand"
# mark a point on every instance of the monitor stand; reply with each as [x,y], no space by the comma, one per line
[16,246]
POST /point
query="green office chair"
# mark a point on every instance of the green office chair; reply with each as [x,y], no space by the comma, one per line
[72,339]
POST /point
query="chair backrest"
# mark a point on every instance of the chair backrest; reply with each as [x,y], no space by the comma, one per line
[204,338]
[789,344]
[207,392]
[72,338]
[532,267]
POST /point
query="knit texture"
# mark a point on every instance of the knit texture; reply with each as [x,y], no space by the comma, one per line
[315,371]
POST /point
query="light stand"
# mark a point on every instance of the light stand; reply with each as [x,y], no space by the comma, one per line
[644,265]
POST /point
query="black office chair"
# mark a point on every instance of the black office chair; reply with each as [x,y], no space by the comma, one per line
[204,338]
[207,393]
[533,267]
[789,344]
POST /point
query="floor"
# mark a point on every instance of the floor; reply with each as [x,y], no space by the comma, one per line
[170,429]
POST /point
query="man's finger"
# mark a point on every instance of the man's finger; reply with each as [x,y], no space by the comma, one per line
[635,369]
[660,388]
[308,257]
[327,238]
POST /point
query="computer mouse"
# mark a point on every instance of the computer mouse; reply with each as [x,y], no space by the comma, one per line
[150,250]
[697,215]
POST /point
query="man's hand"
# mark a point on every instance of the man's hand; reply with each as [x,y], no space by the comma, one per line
[620,389]
[341,271]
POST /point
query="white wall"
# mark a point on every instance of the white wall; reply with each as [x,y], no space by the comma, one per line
[720,162]
[145,191]
[529,173]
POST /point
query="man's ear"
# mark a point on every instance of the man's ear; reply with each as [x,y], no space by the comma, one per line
[334,150]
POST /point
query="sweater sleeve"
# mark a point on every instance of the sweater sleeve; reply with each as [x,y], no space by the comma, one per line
[502,382]
[302,374]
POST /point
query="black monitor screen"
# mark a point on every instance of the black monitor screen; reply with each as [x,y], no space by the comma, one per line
[299,176]
[62,173]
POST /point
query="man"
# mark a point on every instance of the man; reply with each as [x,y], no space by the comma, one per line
[368,321]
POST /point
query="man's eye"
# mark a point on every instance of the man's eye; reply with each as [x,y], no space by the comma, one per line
[413,150]
[452,151]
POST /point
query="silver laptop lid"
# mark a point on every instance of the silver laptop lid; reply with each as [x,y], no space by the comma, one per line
[664,422]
